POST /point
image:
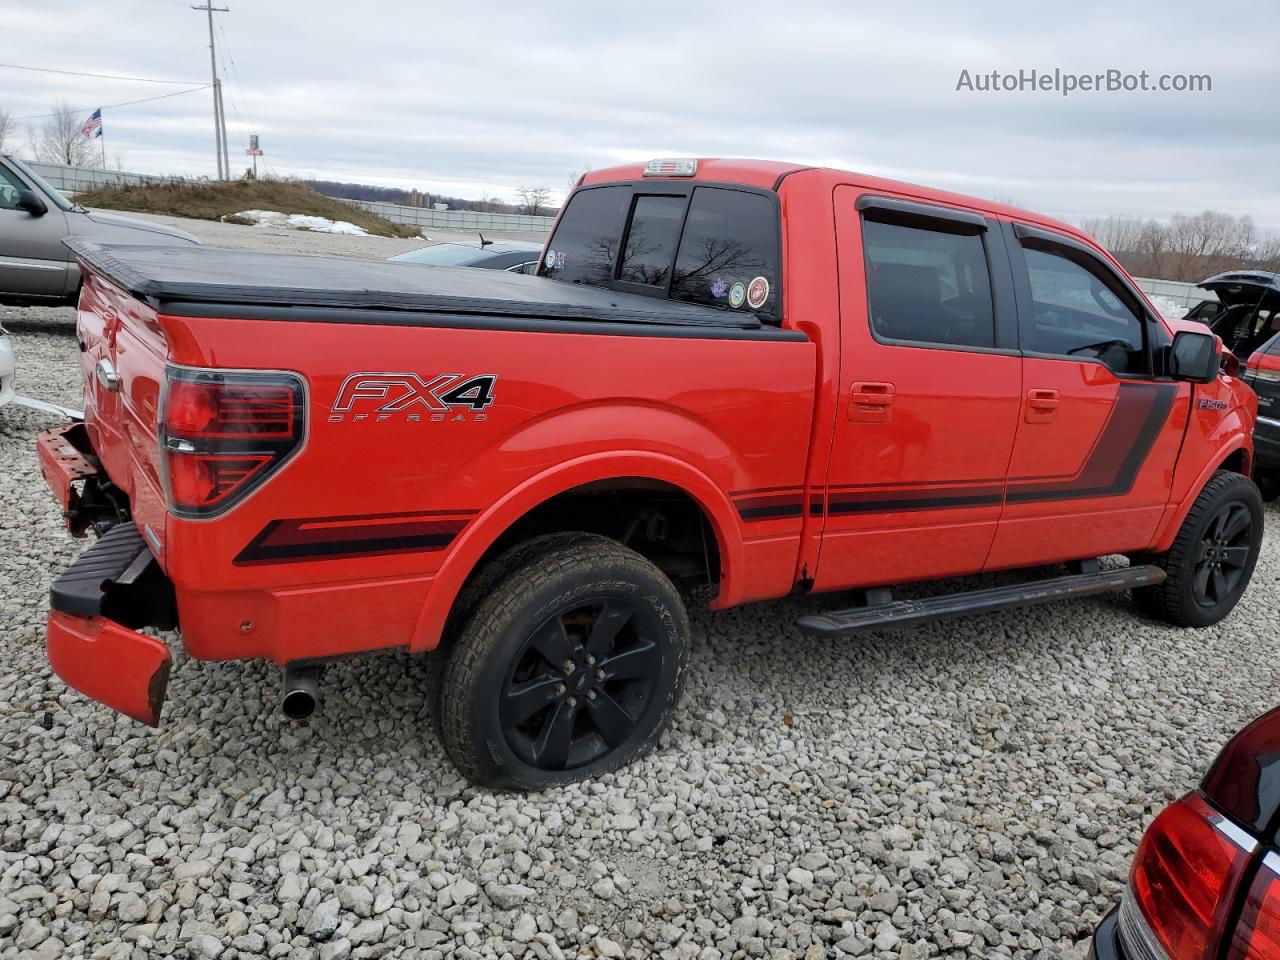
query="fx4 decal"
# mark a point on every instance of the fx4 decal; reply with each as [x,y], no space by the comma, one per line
[408,397]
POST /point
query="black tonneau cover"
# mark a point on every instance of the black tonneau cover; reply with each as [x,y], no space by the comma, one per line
[170,276]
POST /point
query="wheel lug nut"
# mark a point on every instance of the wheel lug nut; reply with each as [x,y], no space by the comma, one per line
[569,666]
[599,674]
[560,688]
[572,701]
[590,659]
[591,694]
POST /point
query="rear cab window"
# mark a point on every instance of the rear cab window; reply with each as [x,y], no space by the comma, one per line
[716,246]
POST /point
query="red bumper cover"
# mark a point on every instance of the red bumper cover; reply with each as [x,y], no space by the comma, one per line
[114,665]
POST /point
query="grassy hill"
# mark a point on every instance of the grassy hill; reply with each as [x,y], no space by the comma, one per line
[206,200]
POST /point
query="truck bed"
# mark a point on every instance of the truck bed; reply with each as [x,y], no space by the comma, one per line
[190,280]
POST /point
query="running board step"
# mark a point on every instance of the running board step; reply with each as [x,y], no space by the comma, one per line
[910,613]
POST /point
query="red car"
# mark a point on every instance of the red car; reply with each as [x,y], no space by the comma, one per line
[1205,883]
[762,377]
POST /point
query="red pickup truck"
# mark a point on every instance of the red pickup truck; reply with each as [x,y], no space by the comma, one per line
[760,377]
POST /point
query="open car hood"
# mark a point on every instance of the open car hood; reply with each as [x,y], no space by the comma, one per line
[1245,286]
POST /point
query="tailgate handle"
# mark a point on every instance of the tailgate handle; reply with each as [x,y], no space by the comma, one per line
[107,375]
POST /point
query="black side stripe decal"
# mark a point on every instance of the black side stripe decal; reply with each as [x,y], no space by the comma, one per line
[330,538]
[1139,414]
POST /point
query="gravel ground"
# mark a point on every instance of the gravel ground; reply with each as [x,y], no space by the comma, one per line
[973,789]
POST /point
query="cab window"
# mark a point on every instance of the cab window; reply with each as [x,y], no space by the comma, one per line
[651,241]
[730,239]
[1077,314]
[584,247]
[928,286]
[713,246]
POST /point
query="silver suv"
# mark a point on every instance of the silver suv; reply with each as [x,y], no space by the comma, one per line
[34,220]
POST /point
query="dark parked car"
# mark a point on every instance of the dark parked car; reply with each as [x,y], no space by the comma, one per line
[1205,883]
[1250,309]
[1263,374]
[35,218]
[514,256]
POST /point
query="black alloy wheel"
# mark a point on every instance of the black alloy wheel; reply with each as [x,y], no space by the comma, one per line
[1223,556]
[585,676]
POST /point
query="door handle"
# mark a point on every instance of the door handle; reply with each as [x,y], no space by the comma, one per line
[871,402]
[1041,405]
[107,375]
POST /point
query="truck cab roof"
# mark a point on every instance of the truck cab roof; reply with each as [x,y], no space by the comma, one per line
[770,175]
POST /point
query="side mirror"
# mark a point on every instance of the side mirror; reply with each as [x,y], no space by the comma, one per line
[31,203]
[1194,357]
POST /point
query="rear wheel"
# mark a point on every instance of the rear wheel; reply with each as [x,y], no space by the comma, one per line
[570,667]
[1212,557]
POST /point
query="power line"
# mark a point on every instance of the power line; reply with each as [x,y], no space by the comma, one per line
[98,31]
[100,76]
[126,103]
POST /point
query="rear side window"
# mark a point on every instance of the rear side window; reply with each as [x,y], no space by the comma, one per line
[1077,315]
[928,286]
[729,252]
[585,245]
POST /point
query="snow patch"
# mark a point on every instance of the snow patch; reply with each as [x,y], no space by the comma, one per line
[299,221]
[1169,309]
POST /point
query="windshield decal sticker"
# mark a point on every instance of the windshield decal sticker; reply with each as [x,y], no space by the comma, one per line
[757,293]
[737,294]
[719,288]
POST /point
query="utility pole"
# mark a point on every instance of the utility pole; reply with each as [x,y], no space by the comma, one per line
[219,119]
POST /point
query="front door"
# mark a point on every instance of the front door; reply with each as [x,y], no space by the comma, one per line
[33,261]
[1098,433]
[930,380]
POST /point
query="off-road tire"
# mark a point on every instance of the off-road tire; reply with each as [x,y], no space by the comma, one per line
[539,585]
[1175,600]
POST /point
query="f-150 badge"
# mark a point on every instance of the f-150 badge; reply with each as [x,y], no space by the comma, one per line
[407,396]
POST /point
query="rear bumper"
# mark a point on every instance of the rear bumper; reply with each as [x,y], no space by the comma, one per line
[112,587]
[1106,939]
[114,665]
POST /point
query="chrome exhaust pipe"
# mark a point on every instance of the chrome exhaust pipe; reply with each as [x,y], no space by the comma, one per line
[301,693]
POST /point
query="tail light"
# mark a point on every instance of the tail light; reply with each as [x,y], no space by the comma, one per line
[222,433]
[1183,883]
[1257,935]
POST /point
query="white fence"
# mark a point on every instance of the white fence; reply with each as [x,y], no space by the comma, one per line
[1185,295]
[457,219]
[71,180]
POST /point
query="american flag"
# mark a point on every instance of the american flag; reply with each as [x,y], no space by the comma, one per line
[93,126]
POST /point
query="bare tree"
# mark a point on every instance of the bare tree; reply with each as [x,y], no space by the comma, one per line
[59,139]
[576,175]
[7,126]
[533,199]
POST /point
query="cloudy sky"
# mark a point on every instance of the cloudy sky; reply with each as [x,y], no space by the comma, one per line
[480,97]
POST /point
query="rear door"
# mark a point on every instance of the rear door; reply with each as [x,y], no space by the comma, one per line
[1098,431]
[930,380]
[33,261]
